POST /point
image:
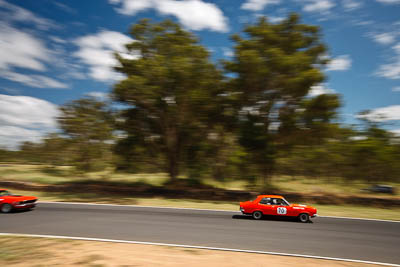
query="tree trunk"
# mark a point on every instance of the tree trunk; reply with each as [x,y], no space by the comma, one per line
[267,173]
[173,166]
[173,152]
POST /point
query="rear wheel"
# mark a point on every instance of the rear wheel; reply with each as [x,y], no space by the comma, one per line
[257,215]
[304,217]
[5,208]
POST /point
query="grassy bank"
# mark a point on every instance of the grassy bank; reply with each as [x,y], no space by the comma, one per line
[43,174]
[48,175]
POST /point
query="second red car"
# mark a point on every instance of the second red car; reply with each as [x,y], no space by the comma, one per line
[9,202]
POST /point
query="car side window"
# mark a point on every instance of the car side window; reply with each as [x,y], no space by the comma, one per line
[265,201]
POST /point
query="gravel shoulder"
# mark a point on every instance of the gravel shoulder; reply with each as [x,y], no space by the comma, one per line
[52,252]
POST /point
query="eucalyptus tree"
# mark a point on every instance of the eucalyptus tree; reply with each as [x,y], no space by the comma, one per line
[275,67]
[87,124]
[171,91]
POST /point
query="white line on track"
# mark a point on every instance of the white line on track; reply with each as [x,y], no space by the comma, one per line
[365,219]
[157,207]
[133,206]
[199,247]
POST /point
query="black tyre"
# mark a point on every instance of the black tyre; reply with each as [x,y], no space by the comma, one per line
[6,208]
[304,217]
[257,215]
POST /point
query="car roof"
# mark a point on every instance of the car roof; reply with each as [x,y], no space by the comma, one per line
[271,196]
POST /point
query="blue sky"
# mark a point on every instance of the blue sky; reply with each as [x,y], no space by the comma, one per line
[54,51]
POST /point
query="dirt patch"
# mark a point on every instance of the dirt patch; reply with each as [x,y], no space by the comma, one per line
[52,252]
[200,192]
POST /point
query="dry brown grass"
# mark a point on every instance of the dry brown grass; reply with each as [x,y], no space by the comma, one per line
[25,251]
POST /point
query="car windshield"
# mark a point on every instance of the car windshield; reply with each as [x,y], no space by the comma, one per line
[5,193]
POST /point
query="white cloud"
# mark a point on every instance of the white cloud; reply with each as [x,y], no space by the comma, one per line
[57,40]
[350,5]
[363,22]
[25,118]
[11,91]
[193,14]
[340,63]
[227,52]
[74,73]
[24,56]
[64,7]
[19,132]
[320,90]
[396,89]
[318,5]
[385,38]
[99,95]
[20,49]
[391,70]
[13,13]
[258,5]
[97,50]
[274,19]
[396,48]
[32,80]
[389,113]
[12,136]
[132,7]
[389,1]
[27,111]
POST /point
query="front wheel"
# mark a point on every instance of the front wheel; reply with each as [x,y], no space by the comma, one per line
[257,215]
[304,217]
[6,208]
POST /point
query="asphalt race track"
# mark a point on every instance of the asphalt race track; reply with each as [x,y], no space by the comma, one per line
[329,237]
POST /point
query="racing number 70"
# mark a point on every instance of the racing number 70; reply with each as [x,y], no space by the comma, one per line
[281,210]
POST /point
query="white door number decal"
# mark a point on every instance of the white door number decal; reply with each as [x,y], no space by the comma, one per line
[281,210]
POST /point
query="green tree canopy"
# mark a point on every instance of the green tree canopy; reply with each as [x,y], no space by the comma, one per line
[88,123]
[275,66]
[170,89]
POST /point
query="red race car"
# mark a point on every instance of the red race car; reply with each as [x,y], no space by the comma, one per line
[8,201]
[276,205]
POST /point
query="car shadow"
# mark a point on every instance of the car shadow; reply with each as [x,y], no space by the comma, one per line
[17,211]
[268,218]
